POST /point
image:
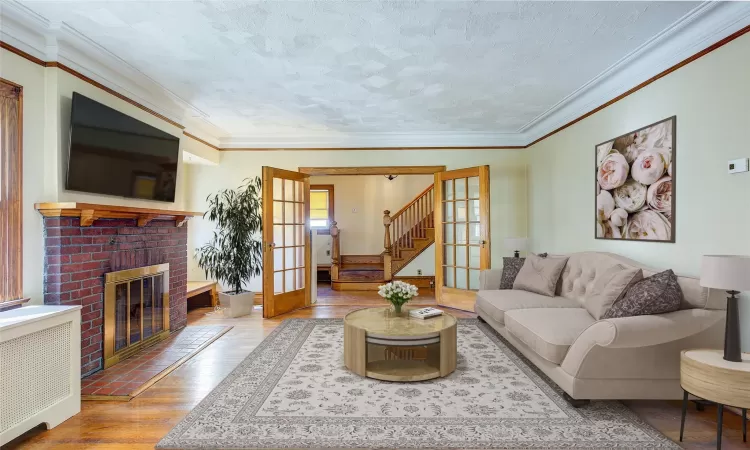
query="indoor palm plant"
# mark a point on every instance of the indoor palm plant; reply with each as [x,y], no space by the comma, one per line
[235,253]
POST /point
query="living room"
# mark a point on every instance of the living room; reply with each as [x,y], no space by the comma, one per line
[566,138]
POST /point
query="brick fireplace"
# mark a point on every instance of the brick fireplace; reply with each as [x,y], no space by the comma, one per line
[77,257]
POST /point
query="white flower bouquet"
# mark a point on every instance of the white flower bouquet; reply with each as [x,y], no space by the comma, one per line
[398,293]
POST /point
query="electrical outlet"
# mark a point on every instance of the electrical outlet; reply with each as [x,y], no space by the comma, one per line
[328,253]
[419,272]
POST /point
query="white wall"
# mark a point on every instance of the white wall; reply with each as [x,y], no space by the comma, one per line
[359,202]
[710,98]
[507,184]
[47,94]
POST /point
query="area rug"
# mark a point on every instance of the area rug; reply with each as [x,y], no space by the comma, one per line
[293,391]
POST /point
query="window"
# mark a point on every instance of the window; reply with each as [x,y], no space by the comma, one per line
[10,192]
[321,207]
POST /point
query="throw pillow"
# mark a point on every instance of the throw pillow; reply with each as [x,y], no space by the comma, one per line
[609,287]
[658,294]
[511,267]
[540,275]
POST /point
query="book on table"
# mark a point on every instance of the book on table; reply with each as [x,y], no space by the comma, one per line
[425,313]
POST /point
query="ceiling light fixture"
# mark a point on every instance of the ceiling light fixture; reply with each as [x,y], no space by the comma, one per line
[391,177]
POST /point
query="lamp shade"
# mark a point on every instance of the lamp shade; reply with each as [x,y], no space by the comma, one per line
[727,272]
[515,244]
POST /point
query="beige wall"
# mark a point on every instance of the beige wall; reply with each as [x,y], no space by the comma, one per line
[47,93]
[710,98]
[507,180]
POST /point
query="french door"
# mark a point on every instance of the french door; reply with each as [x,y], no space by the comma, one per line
[462,234]
[286,241]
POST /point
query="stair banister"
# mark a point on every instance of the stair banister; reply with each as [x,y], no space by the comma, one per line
[335,251]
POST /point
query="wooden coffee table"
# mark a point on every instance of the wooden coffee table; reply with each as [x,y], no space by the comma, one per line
[380,344]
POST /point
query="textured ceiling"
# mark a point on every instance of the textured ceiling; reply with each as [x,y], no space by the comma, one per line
[376,66]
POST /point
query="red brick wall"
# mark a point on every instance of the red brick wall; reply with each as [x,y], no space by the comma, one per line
[76,259]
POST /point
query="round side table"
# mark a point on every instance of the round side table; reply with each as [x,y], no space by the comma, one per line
[395,347]
[705,374]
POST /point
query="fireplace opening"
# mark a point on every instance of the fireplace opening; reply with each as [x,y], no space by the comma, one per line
[136,310]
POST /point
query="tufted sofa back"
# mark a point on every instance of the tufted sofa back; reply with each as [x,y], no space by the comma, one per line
[577,280]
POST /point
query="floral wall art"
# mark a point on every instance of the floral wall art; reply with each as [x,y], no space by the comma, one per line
[635,176]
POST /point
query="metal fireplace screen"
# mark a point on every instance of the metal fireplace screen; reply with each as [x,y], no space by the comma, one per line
[136,310]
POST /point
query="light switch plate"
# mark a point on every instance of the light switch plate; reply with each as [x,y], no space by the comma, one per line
[738,165]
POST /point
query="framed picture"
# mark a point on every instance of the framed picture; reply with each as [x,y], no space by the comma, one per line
[635,184]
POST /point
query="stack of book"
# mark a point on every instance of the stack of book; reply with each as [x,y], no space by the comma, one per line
[424,313]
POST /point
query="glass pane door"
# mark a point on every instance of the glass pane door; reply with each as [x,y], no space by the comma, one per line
[286,207]
[462,206]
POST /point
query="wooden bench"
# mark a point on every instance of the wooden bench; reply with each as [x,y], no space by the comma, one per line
[198,287]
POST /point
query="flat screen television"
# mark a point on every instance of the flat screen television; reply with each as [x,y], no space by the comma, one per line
[114,154]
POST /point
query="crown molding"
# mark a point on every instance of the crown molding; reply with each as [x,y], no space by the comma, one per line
[321,140]
[59,45]
[705,25]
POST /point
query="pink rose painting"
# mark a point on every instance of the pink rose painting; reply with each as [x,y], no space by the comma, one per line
[634,189]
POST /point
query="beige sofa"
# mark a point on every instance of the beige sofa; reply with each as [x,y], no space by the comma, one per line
[624,358]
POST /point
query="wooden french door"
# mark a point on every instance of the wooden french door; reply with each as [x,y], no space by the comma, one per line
[462,234]
[286,241]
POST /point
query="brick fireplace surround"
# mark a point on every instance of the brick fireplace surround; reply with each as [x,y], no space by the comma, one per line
[76,259]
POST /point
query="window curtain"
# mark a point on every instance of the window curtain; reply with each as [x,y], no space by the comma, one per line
[10,192]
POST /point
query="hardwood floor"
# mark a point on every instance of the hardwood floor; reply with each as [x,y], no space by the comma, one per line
[142,422]
[329,297]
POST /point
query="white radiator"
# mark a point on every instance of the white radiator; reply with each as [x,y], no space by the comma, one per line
[40,368]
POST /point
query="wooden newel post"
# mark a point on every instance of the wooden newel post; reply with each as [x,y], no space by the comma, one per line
[387,256]
[335,251]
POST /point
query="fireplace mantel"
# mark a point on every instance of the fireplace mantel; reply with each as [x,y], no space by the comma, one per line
[88,212]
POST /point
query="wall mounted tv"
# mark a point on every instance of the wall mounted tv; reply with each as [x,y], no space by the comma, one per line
[114,154]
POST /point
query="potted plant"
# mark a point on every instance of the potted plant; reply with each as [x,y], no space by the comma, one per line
[398,293]
[235,253]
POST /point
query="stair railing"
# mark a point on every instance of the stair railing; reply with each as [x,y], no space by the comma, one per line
[412,221]
[335,251]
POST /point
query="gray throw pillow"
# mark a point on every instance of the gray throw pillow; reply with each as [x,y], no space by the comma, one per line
[540,275]
[511,267]
[658,294]
[609,287]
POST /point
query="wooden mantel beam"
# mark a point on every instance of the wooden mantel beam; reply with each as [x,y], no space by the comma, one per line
[89,212]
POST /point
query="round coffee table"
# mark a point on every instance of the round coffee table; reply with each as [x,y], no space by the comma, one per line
[380,344]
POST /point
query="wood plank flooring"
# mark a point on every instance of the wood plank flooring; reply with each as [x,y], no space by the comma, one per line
[142,422]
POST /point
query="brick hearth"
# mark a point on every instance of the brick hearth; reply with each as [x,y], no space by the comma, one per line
[76,259]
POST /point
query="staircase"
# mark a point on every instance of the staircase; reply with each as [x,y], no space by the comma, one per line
[407,234]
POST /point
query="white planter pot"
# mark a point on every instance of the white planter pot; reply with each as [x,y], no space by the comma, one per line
[237,305]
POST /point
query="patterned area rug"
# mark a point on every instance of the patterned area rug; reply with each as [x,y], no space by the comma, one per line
[294,391]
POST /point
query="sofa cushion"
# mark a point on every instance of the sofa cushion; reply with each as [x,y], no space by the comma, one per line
[582,268]
[548,331]
[540,274]
[511,267]
[610,287]
[657,294]
[496,303]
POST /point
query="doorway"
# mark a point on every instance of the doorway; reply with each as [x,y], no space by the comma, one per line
[358,242]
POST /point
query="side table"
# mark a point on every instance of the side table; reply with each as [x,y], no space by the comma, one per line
[705,374]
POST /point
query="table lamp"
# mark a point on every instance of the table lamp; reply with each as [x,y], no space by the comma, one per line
[517,245]
[732,274]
